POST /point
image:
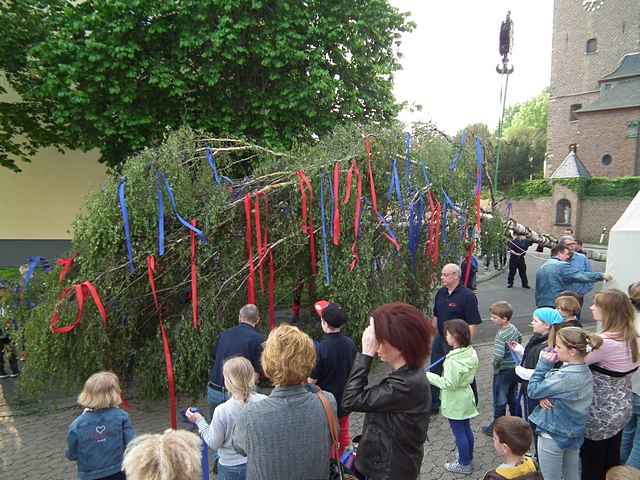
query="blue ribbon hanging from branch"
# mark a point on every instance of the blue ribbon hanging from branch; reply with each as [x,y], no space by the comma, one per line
[454,162]
[416,217]
[33,263]
[479,165]
[325,254]
[425,174]
[124,212]
[394,186]
[211,160]
[163,182]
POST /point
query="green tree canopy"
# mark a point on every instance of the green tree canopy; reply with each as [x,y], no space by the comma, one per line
[117,75]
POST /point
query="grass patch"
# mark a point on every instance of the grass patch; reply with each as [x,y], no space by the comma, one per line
[9,274]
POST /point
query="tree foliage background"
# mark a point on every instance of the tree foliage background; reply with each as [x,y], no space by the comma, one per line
[117,75]
[131,344]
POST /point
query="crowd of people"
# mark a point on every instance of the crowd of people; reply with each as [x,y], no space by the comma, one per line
[566,403]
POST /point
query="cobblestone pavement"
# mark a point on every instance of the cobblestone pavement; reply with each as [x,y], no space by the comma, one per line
[32,445]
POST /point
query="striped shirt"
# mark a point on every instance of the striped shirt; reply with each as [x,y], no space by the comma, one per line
[502,359]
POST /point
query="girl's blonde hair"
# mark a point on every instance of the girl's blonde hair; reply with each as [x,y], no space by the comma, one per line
[173,455]
[580,340]
[623,472]
[101,390]
[618,315]
[239,377]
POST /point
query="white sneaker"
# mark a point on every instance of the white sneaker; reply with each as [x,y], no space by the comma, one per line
[456,467]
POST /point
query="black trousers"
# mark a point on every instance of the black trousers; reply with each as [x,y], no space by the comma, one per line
[598,456]
[517,263]
[7,347]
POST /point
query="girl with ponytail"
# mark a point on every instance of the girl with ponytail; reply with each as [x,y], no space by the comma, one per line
[239,381]
[565,395]
[612,367]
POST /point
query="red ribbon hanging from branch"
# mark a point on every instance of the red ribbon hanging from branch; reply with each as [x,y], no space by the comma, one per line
[67,265]
[151,269]
[82,290]
[251,283]
[272,268]
[356,216]
[336,204]
[260,243]
[194,278]
[304,183]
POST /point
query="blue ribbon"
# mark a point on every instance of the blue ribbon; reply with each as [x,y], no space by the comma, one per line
[387,227]
[416,217]
[211,159]
[34,262]
[325,255]
[437,362]
[394,186]
[163,182]
[479,164]
[423,169]
[124,212]
[454,162]
[204,458]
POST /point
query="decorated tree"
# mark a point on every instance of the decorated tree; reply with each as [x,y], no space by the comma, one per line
[364,217]
[117,75]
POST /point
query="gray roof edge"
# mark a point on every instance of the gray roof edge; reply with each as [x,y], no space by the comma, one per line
[613,76]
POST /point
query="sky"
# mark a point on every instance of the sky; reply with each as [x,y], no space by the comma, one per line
[449,60]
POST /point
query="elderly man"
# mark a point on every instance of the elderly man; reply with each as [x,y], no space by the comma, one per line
[556,275]
[242,340]
[580,262]
[453,300]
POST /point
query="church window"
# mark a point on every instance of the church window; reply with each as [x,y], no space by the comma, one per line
[563,212]
[592,45]
[572,111]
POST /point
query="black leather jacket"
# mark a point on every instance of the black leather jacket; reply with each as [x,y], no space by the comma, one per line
[396,421]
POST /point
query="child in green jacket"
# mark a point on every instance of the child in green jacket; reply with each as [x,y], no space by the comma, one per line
[457,400]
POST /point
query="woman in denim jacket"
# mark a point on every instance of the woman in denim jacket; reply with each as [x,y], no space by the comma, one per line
[98,437]
[565,396]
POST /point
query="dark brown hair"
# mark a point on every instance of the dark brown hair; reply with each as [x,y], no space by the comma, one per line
[568,303]
[559,248]
[515,433]
[404,327]
[569,293]
[634,295]
[502,310]
[458,329]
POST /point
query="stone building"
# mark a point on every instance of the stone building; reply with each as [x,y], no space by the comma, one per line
[595,86]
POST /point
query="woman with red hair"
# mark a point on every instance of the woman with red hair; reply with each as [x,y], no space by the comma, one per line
[397,409]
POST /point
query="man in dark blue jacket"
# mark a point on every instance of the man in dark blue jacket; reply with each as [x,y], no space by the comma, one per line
[517,250]
[243,340]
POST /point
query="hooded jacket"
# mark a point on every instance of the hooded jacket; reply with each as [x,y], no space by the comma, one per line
[458,370]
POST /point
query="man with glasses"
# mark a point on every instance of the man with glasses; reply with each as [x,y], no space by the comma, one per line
[453,300]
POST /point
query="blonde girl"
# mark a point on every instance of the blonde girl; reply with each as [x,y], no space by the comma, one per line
[239,380]
[612,366]
[565,396]
[97,439]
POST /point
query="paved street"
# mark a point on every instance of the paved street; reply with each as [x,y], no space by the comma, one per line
[32,445]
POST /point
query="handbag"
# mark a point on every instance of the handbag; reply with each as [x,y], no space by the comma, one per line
[337,471]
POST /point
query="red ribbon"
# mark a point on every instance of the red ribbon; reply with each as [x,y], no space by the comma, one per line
[261,245]
[272,269]
[356,216]
[82,290]
[251,283]
[308,228]
[194,278]
[151,269]
[67,265]
[336,204]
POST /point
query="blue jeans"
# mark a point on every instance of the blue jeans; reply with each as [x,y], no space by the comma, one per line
[464,440]
[630,447]
[235,472]
[505,392]
[556,462]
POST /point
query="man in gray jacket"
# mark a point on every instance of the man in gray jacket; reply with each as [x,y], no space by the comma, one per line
[556,275]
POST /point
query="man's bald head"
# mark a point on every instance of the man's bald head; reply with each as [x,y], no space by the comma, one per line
[450,276]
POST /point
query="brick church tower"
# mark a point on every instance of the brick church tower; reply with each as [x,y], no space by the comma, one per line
[595,86]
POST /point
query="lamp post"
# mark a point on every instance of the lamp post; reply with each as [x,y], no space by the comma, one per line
[505,69]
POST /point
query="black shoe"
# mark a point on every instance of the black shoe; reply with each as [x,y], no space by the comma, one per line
[527,287]
[435,410]
[509,286]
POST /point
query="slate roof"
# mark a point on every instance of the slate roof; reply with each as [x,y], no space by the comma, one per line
[619,94]
[571,167]
[629,66]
